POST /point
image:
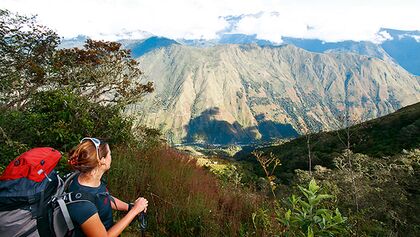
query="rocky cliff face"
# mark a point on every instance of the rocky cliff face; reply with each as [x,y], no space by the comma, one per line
[239,93]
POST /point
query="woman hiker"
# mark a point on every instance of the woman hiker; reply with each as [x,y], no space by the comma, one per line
[92,157]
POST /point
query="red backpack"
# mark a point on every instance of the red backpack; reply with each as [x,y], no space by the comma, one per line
[34,165]
[33,201]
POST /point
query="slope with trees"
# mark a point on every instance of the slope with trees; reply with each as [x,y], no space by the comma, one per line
[372,168]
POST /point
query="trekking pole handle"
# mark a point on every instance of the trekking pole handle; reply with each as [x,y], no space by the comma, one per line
[142,217]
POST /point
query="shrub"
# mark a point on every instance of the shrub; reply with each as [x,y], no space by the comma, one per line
[308,217]
[59,119]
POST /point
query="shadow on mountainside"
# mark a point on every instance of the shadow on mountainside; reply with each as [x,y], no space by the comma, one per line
[270,129]
[206,128]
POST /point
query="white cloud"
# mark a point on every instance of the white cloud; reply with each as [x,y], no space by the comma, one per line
[382,36]
[329,20]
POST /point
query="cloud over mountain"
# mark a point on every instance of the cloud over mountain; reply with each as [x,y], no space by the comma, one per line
[326,20]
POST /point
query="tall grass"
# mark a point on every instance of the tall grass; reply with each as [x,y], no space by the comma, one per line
[184,199]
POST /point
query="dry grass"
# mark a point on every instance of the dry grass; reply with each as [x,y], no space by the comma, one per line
[184,198]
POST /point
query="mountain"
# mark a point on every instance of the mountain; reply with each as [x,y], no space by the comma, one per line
[404,47]
[76,42]
[396,46]
[363,47]
[241,93]
[401,47]
[140,47]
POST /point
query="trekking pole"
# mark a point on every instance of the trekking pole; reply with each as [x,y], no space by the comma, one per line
[143,222]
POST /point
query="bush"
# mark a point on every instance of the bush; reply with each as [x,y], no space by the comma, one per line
[308,217]
[59,119]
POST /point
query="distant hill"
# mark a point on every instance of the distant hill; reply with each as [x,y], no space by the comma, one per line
[401,47]
[242,93]
[404,47]
[385,136]
[140,47]
[363,47]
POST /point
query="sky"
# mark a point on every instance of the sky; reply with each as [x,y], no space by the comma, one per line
[328,20]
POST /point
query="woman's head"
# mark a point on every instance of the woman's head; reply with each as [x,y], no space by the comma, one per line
[89,154]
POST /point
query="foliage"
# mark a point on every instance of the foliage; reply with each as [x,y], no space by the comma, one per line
[30,62]
[385,136]
[387,190]
[230,175]
[308,217]
[52,97]
[59,119]
[378,192]
[102,72]
[26,50]
[269,164]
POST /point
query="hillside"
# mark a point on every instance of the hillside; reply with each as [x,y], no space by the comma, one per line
[385,136]
[243,93]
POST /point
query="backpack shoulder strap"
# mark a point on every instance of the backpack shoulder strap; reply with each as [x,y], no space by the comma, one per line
[70,198]
[81,196]
[64,185]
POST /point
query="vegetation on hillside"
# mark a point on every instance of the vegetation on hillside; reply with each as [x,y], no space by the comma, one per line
[373,169]
[54,97]
[381,137]
[185,199]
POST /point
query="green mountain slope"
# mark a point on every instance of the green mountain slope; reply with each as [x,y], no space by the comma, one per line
[385,136]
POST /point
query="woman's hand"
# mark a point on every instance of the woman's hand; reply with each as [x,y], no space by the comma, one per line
[140,205]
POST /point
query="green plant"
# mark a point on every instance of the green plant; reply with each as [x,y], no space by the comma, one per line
[308,217]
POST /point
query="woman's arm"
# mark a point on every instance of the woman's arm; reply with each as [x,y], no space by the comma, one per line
[93,227]
[119,205]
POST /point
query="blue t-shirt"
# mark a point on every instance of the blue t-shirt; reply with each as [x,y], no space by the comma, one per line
[81,211]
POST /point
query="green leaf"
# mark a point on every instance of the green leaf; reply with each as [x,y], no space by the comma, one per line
[313,187]
[310,232]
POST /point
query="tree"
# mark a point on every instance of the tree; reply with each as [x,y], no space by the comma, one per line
[308,131]
[52,97]
[30,62]
[101,71]
[345,135]
[26,52]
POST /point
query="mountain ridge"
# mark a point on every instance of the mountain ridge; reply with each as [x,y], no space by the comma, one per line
[398,46]
[388,135]
[230,86]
